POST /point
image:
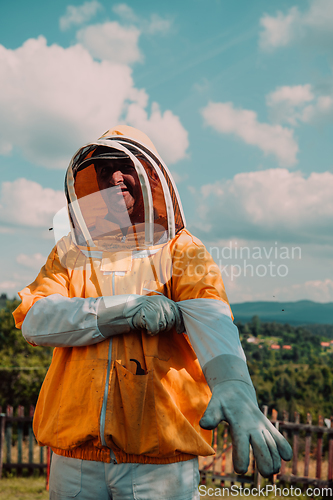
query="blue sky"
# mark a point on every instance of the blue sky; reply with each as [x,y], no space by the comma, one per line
[237,97]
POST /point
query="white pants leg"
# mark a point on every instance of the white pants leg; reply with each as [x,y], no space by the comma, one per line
[88,480]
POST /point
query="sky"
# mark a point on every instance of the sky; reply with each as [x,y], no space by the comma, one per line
[236,96]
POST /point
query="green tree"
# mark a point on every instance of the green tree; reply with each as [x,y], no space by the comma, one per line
[22,367]
[255,326]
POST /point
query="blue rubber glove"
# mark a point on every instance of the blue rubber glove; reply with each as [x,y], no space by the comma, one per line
[118,314]
[157,314]
[234,400]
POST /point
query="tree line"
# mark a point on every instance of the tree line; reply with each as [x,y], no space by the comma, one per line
[297,379]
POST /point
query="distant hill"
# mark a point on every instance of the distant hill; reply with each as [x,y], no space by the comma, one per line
[303,312]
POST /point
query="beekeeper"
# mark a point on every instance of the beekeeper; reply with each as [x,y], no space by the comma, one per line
[143,334]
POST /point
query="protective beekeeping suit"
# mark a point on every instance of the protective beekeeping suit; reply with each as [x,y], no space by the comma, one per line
[143,334]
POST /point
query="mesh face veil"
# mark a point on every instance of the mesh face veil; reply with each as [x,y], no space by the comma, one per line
[120,195]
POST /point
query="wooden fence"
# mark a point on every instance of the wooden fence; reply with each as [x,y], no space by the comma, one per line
[311,449]
[312,462]
[19,429]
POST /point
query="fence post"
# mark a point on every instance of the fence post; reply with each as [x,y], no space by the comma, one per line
[203,473]
[48,466]
[215,449]
[330,454]
[41,460]
[285,435]
[307,446]
[295,445]
[2,437]
[276,423]
[31,440]
[20,413]
[9,433]
[319,447]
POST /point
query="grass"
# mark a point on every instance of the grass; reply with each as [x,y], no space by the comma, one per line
[23,488]
[33,488]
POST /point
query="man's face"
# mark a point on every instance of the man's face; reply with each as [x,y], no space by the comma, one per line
[120,186]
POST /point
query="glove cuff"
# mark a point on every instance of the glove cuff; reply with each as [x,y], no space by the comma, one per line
[114,313]
[226,367]
[179,322]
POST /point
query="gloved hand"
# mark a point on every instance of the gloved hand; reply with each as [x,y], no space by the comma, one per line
[235,402]
[118,314]
[158,313]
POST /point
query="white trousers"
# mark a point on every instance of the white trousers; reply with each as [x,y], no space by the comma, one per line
[88,480]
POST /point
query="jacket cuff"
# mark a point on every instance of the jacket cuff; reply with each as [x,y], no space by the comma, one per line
[226,367]
[114,313]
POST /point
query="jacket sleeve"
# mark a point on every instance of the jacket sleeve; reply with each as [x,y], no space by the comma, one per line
[49,317]
[198,289]
[59,321]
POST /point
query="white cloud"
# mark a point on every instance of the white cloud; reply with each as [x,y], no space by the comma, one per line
[295,96]
[67,99]
[271,139]
[35,261]
[287,102]
[320,111]
[291,104]
[126,13]
[178,178]
[278,31]
[245,289]
[155,24]
[267,204]
[164,129]
[27,203]
[5,147]
[6,230]
[271,269]
[319,16]
[8,285]
[75,16]
[312,26]
[316,290]
[111,42]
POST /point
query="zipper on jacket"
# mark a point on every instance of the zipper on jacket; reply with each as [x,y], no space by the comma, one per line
[105,398]
[106,388]
[113,282]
